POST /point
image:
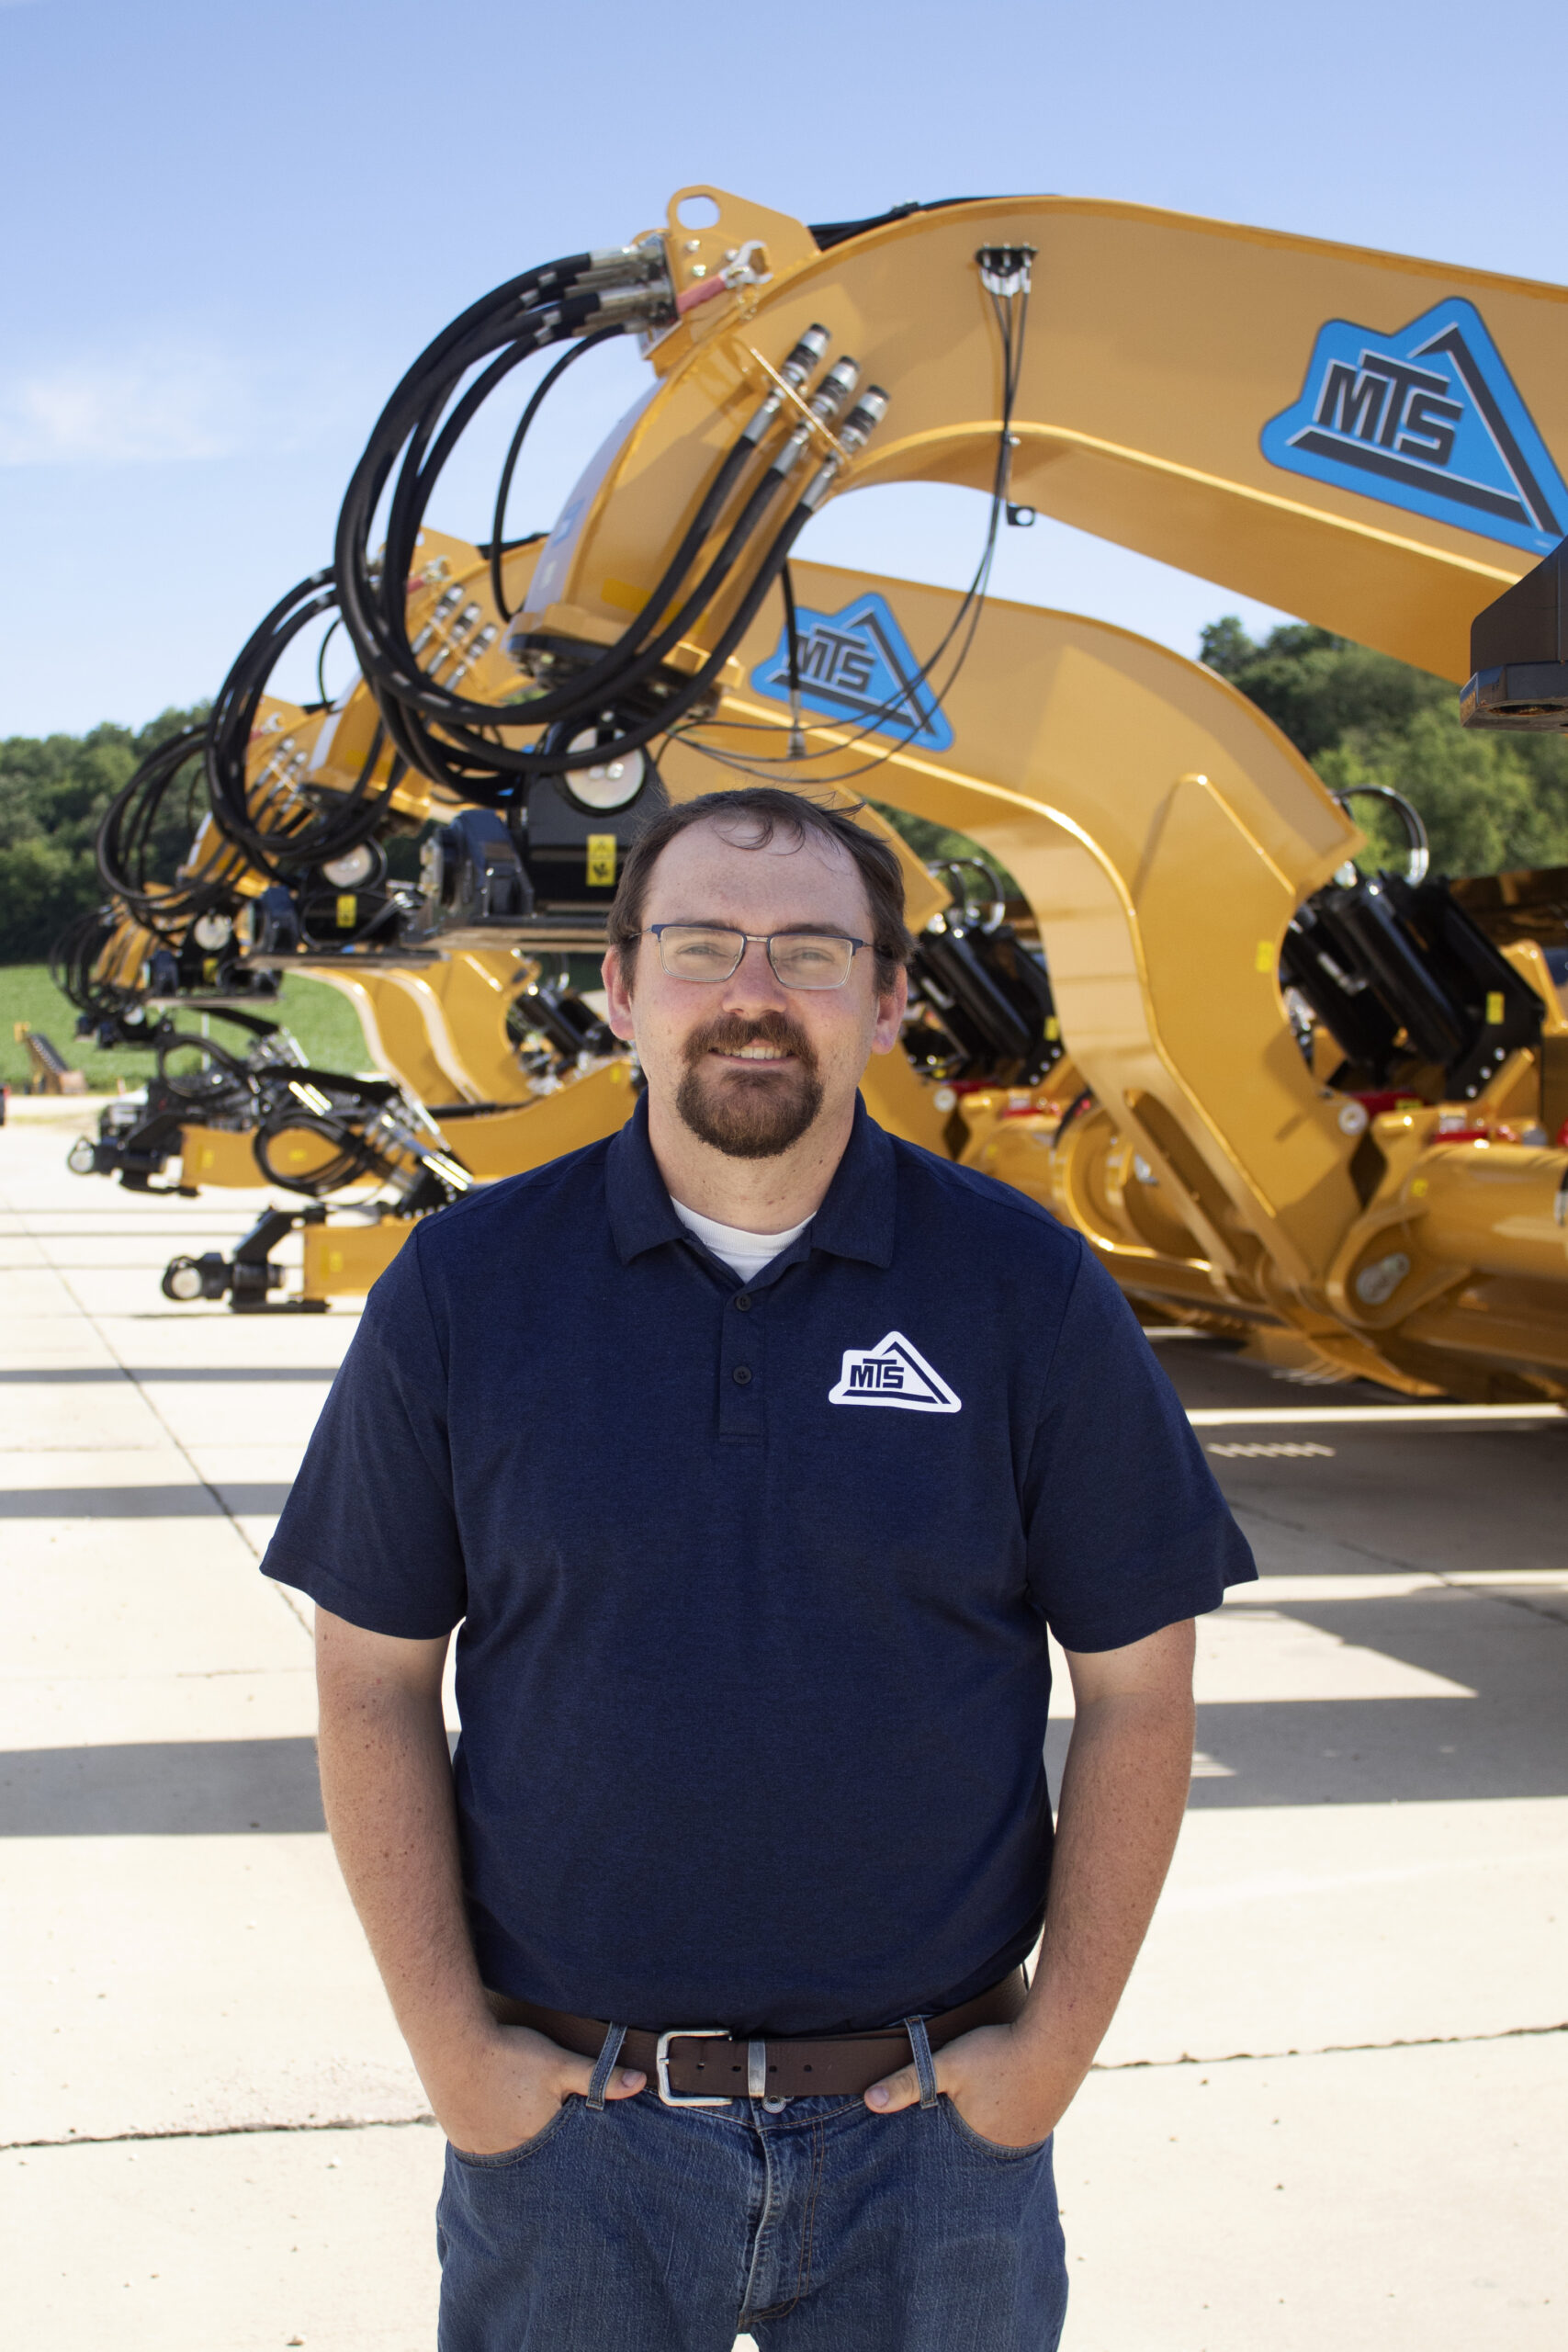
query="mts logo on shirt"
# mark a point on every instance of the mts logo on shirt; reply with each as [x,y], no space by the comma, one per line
[1428,418]
[893,1373]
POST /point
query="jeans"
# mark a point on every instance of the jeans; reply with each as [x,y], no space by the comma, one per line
[635,2227]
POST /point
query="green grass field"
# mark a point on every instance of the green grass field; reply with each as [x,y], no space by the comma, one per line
[324,1023]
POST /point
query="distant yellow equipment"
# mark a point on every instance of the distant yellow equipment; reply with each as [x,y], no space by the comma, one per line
[1320,1111]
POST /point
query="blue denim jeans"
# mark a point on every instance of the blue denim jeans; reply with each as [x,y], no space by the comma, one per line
[635,2227]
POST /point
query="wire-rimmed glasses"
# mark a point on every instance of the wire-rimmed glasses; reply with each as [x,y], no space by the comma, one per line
[800,959]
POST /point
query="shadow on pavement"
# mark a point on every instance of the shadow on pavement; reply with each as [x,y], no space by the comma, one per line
[198,1788]
[142,1502]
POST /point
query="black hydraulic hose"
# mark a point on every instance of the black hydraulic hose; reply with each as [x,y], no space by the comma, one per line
[169,1041]
[392,428]
[73,961]
[374,609]
[453,739]
[1010,329]
[601,679]
[1069,1115]
[434,760]
[354,1157]
[697,686]
[123,845]
[322,660]
[428,453]
[542,392]
[234,717]
[792,638]
[487,756]
[306,836]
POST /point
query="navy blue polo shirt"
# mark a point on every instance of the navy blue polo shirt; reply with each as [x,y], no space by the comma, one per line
[752,1582]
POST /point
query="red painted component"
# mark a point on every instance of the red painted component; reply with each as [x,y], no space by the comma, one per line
[691,298]
[1375,1104]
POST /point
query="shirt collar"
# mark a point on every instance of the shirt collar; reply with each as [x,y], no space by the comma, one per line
[855,1219]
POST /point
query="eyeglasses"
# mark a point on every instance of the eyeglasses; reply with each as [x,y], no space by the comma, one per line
[800,959]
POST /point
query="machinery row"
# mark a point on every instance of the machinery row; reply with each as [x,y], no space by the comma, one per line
[1321,1110]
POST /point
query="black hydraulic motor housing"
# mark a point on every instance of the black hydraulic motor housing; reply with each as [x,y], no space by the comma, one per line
[1400,976]
[548,853]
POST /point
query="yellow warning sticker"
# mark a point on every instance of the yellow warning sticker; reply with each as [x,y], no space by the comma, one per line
[347,911]
[601,860]
[1494,1008]
[1265,958]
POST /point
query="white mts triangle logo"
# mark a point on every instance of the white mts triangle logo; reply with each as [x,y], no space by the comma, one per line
[893,1373]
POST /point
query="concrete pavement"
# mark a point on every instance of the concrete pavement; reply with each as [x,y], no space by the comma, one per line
[1331,2110]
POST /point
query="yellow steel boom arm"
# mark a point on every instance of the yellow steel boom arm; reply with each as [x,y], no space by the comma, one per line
[1158,347]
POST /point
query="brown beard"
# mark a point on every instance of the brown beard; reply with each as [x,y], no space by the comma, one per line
[749,1113]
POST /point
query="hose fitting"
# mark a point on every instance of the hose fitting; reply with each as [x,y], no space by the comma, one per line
[853,433]
[809,354]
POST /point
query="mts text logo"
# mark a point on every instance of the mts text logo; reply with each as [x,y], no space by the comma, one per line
[830,657]
[893,1373]
[1383,404]
[855,666]
[1428,419]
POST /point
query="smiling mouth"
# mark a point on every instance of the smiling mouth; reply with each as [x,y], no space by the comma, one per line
[759,1053]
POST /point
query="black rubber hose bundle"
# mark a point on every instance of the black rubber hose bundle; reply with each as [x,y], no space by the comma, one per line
[126,845]
[451,737]
[304,833]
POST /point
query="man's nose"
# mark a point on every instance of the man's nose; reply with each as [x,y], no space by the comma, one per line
[753,981]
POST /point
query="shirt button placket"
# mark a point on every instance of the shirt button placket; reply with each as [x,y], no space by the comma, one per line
[740,1381]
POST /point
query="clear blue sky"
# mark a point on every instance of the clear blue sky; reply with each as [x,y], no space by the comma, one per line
[232,222]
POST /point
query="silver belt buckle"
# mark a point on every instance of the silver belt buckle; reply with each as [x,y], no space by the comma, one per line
[661,2061]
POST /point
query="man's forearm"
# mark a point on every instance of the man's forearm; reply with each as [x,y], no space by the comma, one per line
[1122,1794]
[387,1786]
[386,1782]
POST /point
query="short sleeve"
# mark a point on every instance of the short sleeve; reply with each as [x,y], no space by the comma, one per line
[1126,1529]
[369,1530]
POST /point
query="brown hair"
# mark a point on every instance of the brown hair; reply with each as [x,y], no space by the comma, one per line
[769,811]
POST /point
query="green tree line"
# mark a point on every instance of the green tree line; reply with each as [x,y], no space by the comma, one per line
[53,792]
[1490,802]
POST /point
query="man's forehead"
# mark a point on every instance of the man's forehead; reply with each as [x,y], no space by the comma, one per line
[808,870]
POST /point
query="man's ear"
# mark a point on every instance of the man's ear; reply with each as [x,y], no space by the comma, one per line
[891,1007]
[619,1009]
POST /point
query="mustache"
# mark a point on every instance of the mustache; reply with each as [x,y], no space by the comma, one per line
[731,1031]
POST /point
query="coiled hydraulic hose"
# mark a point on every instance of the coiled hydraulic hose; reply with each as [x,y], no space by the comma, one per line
[279,829]
[74,962]
[127,844]
[451,737]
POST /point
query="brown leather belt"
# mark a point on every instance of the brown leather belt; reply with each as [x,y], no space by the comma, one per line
[707,2063]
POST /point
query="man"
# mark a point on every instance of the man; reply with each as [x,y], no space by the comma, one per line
[753,1453]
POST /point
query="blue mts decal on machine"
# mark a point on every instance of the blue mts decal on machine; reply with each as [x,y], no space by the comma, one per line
[893,1373]
[856,665]
[1428,419]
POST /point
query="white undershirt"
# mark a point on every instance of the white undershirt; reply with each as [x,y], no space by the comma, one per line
[744,1253]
